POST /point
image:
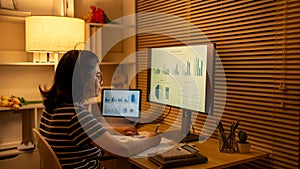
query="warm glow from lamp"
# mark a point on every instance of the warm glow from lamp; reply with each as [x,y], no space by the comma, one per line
[53,33]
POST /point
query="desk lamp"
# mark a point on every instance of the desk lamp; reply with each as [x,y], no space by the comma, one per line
[47,36]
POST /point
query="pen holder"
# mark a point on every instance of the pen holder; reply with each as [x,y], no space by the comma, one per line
[227,142]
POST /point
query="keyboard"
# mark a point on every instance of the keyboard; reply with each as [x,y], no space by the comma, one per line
[178,162]
[182,150]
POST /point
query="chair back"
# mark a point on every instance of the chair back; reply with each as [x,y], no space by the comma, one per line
[48,157]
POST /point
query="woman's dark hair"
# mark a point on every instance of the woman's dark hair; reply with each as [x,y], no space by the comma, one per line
[72,72]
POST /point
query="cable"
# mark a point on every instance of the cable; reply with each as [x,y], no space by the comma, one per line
[160,120]
[193,128]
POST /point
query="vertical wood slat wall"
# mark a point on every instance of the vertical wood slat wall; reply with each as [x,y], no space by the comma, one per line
[258,44]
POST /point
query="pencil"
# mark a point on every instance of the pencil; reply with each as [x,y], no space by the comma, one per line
[157,127]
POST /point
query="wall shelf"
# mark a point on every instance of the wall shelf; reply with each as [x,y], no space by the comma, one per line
[13,15]
[30,106]
[115,63]
[26,64]
[110,25]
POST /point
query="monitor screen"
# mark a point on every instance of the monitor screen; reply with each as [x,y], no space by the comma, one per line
[121,102]
[181,76]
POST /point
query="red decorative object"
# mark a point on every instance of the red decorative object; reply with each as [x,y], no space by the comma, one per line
[96,15]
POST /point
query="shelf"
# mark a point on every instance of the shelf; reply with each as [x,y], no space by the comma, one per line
[10,152]
[13,15]
[30,106]
[115,63]
[95,24]
[12,18]
[111,25]
[14,152]
[10,12]
[27,64]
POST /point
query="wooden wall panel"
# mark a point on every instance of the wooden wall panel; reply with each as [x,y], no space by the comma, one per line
[258,48]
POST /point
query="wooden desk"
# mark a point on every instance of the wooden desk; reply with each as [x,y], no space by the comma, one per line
[216,159]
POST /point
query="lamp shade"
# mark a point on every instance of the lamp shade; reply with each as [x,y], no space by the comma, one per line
[53,33]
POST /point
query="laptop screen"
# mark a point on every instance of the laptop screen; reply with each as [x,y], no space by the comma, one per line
[121,103]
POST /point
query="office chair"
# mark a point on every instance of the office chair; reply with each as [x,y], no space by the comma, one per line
[48,158]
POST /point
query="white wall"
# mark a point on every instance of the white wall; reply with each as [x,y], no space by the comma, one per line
[36,7]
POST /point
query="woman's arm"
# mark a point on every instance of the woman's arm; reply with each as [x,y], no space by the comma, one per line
[110,144]
[125,130]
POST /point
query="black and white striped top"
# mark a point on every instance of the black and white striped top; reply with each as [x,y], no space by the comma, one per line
[69,130]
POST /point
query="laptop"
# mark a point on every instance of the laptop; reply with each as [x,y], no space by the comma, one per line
[121,107]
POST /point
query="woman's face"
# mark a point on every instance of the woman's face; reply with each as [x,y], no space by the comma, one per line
[98,82]
[94,84]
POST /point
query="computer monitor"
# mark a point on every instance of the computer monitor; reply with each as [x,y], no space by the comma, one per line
[183,77]
[124,103]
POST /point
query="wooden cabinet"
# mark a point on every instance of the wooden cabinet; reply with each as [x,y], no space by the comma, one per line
[16,131]
[17,160]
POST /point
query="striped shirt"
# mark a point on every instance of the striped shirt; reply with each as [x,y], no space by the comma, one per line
[69,130]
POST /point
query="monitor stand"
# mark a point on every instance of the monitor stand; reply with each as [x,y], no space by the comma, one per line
[184,135]
[174,135]
[190,137]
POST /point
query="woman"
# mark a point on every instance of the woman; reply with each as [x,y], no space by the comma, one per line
[72,131]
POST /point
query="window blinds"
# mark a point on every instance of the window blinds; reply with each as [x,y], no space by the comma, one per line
[258,44]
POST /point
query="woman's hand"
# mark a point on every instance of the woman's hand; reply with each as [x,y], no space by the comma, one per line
[151,134]
[126,130]
[155,137]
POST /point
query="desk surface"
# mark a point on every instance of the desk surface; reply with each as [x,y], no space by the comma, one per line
[216,159]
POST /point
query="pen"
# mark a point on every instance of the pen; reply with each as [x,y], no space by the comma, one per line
[220,126]
[157,127]
[236,124]
[230,137]
[222,133]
